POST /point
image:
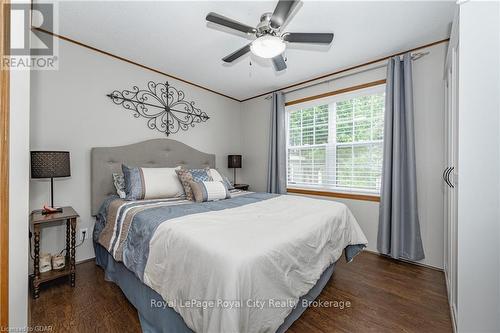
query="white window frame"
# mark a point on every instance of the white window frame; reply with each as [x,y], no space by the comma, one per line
[332,137]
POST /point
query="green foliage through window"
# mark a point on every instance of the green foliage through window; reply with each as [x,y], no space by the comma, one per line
[337,145]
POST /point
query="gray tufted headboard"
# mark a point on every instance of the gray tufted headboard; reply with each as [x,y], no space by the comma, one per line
[150,153]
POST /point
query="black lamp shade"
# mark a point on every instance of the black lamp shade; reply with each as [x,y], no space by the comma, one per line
[234,161]
[50,164]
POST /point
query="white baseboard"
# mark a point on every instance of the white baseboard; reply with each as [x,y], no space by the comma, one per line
[83,261]
[453,310]
[409,261]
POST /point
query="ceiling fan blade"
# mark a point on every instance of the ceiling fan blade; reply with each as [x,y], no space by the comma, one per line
[238,53]
[227,22]
[279,63]
[308,37]
[281,12]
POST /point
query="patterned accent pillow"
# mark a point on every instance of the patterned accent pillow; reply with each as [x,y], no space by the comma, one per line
[216,175]
[119,182]
[209,191]
[190,175]
[151,183]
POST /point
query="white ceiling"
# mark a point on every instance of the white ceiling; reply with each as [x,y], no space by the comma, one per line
[174,37]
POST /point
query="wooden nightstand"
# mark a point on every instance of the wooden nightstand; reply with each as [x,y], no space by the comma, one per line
[37,220]
[243,187]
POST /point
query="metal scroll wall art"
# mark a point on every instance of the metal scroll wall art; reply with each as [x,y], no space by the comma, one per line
[163,105]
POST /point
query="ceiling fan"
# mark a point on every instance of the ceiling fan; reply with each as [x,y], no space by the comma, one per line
[270,42]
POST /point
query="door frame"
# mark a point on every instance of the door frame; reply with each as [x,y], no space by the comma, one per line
[4,165]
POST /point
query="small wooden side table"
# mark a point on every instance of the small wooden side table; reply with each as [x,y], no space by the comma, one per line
[243,187]
[38,220]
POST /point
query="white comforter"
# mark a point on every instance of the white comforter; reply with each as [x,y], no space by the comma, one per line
[242,269]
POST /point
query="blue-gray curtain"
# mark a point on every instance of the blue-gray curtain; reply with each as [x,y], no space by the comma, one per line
[276,171]
[399,227]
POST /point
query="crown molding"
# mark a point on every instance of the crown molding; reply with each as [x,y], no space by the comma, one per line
[227,96]
[348,69]
[67,39]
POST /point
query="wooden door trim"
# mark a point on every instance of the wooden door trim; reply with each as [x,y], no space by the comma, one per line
[4,165]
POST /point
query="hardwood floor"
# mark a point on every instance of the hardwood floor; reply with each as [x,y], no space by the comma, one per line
[385,296]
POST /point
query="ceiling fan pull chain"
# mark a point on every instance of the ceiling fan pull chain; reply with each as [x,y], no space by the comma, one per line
[250,68]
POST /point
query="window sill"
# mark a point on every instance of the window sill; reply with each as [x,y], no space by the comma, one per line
[353,196]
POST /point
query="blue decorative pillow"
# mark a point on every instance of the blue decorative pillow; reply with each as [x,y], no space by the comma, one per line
[190,175]
[200,175]
[133,183]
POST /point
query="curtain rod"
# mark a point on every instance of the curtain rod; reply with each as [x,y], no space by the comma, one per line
[414,56]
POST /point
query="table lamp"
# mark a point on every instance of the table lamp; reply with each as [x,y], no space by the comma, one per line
[50,164]
[234,162]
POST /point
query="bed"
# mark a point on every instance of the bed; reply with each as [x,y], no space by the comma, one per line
[250,263]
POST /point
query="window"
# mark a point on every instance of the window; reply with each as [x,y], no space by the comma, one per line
[335,143]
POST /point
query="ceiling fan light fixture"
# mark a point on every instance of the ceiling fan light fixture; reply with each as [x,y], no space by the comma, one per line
[268,46]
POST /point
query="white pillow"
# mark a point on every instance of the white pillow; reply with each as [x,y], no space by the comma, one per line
[216,175]
[209,191]
[152,183]
[162,183]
